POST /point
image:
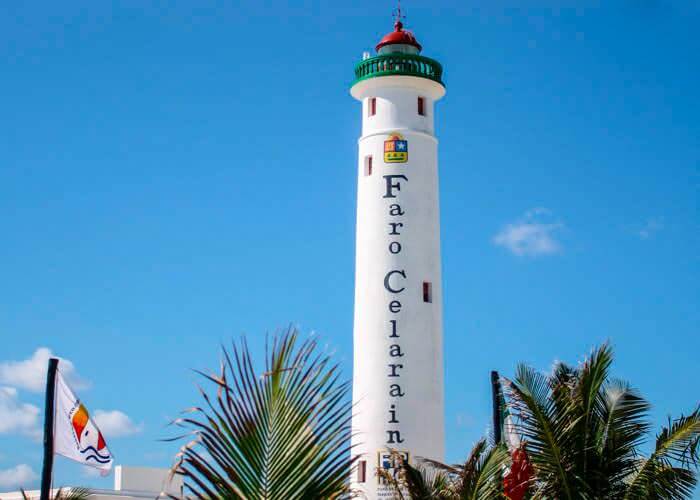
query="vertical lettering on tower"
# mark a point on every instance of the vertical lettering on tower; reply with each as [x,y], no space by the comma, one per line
[395,151]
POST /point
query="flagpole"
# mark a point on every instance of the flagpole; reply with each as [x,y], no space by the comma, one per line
[47,470]
[496,394]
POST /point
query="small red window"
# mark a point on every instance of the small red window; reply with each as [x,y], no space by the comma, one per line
[421,106]
[372,107]
[427,291]
[361,471]
[368,165]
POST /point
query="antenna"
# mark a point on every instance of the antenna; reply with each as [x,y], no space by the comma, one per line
[398,15]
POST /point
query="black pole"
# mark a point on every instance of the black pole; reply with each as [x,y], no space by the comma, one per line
[496,394]
[47,470]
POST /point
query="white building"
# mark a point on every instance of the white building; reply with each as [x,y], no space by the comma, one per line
[129,483]
[398,361]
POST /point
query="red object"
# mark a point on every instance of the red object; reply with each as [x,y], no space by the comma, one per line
[399,36]
[517,481]
[362,471]
[100,441]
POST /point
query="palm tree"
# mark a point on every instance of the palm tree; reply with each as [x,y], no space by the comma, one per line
[478,478]
[282,433]
[584,432]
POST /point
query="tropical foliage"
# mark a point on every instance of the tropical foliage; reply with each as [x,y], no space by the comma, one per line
[279,433]
[283,432]
[478,478]
[585,433]
[64,494]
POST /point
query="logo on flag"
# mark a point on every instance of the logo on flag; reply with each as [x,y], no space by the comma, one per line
[395,149]
[90,441]
[76,435]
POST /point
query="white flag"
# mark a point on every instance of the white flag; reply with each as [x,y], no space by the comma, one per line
[510,431]
[75,434]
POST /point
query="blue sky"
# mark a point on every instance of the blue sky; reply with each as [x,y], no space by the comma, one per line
[175,175]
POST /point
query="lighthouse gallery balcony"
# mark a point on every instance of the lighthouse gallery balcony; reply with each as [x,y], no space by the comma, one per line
[399,64]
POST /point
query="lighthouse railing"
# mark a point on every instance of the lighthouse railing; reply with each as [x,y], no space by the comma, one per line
[399,64]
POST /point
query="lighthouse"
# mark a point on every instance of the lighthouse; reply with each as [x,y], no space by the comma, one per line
[398,359]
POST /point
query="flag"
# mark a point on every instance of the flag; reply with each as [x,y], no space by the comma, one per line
[76,435]
[516,480]
[510,431]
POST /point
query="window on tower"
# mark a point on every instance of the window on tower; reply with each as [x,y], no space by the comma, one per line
[368,165]
[427,291]
[421,106]
[372,106]
[361,471]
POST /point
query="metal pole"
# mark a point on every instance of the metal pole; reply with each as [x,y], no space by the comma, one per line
[49,411]
[496,395]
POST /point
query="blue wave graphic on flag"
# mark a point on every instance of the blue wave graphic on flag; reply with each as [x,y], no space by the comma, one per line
[93,457]
[103,459]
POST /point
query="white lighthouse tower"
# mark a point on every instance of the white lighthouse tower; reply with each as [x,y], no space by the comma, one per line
[398,367]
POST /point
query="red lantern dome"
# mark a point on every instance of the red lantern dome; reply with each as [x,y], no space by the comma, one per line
[399,37]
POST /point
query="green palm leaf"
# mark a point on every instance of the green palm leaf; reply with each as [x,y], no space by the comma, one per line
[280,434]
[545,424]
[419,482]
[623,429]
[583,434]
[665,474]
[64,494]
[480,477]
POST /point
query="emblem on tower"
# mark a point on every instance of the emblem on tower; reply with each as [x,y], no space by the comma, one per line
[395,149]
[391,461]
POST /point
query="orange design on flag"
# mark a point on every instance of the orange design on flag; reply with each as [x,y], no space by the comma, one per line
[79,421]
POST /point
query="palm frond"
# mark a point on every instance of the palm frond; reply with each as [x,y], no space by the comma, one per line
[478,478]
[666,473]
[76,493]
[584,432]
[488,481]
[622,430]
[281,433]
[542,425]
[421,482]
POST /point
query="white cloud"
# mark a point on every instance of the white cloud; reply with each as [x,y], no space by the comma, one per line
[652,226]
[30,374]
[19,476]
[531,235]
[115,423]
[17,417]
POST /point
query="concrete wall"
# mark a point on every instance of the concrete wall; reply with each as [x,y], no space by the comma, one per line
[146,479]
[129,483]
